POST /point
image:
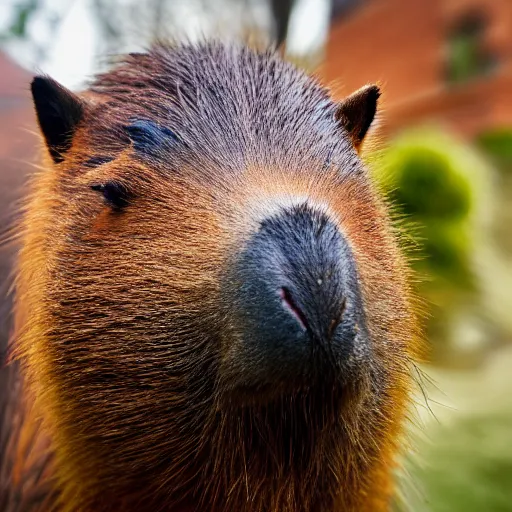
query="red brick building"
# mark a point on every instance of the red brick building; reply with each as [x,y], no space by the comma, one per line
[17,149]
[448,61]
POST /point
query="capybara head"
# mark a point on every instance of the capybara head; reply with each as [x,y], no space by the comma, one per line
[212,309]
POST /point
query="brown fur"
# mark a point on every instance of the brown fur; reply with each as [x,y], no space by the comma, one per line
[120,317]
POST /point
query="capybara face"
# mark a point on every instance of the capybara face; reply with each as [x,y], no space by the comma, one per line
[210,281]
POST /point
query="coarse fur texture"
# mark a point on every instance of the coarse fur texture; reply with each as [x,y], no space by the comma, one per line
[169,165]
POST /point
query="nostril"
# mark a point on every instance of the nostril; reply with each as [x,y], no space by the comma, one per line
[291,306]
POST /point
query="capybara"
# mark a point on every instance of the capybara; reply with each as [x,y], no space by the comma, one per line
[212,312]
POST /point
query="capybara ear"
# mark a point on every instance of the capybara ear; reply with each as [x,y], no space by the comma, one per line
[356,112]
[58,112]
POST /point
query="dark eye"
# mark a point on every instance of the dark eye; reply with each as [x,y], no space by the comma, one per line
[115,194]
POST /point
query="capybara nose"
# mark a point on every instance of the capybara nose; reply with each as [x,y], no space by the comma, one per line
[298,307]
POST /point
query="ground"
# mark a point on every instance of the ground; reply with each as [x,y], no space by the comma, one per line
[463,459]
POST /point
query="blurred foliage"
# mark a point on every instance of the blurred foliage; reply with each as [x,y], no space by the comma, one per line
[440,190]
[437,184]
[460,460]
[41,33]
[21,13]
[497,144]
[465,466]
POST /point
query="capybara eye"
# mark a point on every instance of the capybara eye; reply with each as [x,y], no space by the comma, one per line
[115,194]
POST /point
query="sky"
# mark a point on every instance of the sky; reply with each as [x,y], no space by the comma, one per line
[75,47]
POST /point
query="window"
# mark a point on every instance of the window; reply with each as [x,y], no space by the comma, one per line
[467,56]
[343,8]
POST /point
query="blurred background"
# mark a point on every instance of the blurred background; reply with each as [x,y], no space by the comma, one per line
[441,150]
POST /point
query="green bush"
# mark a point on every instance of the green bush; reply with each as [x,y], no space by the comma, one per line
[439,189]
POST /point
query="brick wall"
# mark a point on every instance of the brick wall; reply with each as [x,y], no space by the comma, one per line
[403,45]
[17,149]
